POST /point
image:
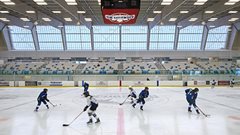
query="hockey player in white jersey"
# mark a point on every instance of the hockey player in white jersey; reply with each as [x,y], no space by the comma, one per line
[132,94]
[93,104]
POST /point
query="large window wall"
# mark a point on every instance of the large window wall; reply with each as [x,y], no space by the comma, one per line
[78,38]
[49,38]
[162,38]
[217,38]
[21,38]
[106,37]
[190,38]
[115,38]
[134,38]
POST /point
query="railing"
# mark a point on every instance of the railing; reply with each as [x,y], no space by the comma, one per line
[120,72]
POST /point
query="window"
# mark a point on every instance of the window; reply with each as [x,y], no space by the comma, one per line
[134,38]
[162,37]
[217,38]
[190,38]
[21,38]
[106,37]
[49,38]
[78,38]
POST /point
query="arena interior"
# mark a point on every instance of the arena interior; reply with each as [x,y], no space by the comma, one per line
[104,51]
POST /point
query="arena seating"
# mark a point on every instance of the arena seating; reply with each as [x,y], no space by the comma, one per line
[100,68]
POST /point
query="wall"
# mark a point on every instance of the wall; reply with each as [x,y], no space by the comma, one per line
[119,54]
[236,43]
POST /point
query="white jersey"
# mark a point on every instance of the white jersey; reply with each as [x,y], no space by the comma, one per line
[91,100]
[133,93]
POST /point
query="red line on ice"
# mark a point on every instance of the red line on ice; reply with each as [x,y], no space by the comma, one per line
[120,125]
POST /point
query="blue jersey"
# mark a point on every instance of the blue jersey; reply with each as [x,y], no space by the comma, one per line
[42,96]
[85,86]
[190,95]
[144,94]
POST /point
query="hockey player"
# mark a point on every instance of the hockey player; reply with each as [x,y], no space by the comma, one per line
[93,104]
[42,98]
[232,83]
[132,94]
[191,96]
[85,86]
[213,84]
[144,94]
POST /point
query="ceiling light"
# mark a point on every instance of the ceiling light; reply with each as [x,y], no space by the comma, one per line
[30,12]
[81,12]
[234,1]
[74,3]
[41,3]
[69,1]
[68,19]
[212,19]
[179,26]
[60,26]
[88,19]
[38,0]
[233,19]
[26,26]
[203,23]
[229,3]
[211,26]
[4,12]
[25,19]
[202,1]
[5,19]
[56,12]
[166,3]
[184,12]
[232,12]
[193,19]
[5,0]
[78,23]
[9,3]
[150,19]
[172,19]
[209,12]
[198,3]
[157,12]
[46,19]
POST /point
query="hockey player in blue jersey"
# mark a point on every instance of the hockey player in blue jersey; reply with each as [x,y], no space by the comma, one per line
[85,86]
[144,94]
[42,98]
[132,94]
[191,96]
[93,104]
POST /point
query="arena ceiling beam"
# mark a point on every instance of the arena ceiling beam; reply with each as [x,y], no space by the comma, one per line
[222,21]
[7,37]
[2,25]
[231,37]
[21,9]
[16,21]
[166,11]
[148,36]
[176,37]
[204,37]
[72,10]
[237,25]
[218,8]
[35,38]
[64,39]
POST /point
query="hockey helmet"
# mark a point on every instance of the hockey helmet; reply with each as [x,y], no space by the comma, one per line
[146,88]
[45,89]
[195,89]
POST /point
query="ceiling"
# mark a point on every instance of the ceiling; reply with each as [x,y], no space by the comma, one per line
[93,11]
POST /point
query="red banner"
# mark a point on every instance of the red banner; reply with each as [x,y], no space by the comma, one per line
[120,16]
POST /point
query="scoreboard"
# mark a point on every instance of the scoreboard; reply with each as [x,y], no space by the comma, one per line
[120,11]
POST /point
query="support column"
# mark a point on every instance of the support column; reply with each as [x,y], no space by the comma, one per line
[176,37]
[35,38]
[64,40]
[204,37]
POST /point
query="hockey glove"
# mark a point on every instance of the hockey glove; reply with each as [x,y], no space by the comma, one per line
[85,108]
[47,100]
[129,95]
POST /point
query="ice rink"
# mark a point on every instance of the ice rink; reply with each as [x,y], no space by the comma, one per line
[165,112]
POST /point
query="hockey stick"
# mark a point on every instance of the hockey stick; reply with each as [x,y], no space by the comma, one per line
[65,125]
[206,115]
[124,101]
[52,104]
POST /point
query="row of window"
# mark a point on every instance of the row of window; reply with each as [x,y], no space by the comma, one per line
[108,38]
